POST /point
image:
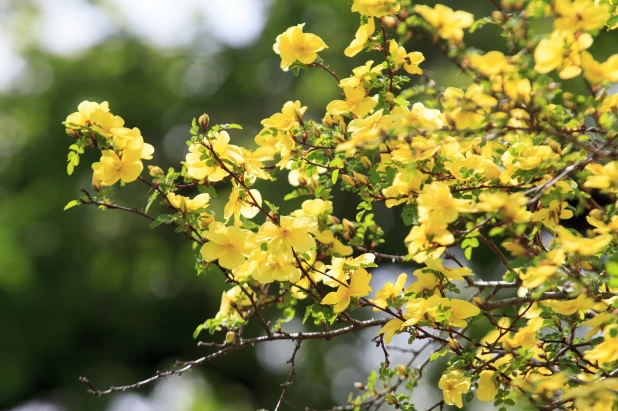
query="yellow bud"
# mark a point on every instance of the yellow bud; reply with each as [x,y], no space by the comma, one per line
[298,116]
[477,301]
[361,178]
[391,399]
[96,184]
[401,370]
[365,162]
[343,126]
[454,344]
[333,220]
[348,226]
[566,96]
[589,111]
[327,121]
[155,171]
[388,97]
[203,121]
[498,16]
[349,180]
[205,220]
[230,337]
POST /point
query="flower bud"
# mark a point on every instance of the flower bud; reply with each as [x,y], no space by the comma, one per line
[348,226]
[327,121]
[498,16]
[155,171]
[203,121]
[401,371]
[391,399]
[360,386]
[361,178]
[298,116]
[454,344]
[333,220]
[365,162]
[343,126]
[96,184]
[349,180]
[230,337]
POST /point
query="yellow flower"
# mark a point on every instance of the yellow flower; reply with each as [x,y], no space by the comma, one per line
[390,328]
[186,204]
[375,8]
[336,273]
[561,51]
[406,184]
[607,351]
[362,35]
[451,274]
[453,385]
[356,101]
[111,167]
[227,313]
[551,215]
[294,45]
[269,267]
[603,176]
[362,75]
[229,245]
[287,118]
[459,311]
[81,118]
[490,64]
[580,15]
[448,23]
[389,290]
[316,207]
[424,281]
[418,117]
[581,245]
[358,287]
[241,203]
[525,337]
[428,240]
[570,307]
[291,232]
[410,61]
[487,388]
[436,203]
[199,163]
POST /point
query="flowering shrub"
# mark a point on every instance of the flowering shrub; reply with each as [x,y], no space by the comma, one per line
[505,163]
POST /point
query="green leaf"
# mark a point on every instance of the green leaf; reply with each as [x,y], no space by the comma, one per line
[198,330]
[70,168]
[612,268]
[71,204]
[155,223]
[334,176]
[151,200]
[613,20]
[468,253]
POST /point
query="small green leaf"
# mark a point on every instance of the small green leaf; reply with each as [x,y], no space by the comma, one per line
[71,204]
[613,20]
[468,253]
[155,223]
[70,168]
[612,268]
[334,176]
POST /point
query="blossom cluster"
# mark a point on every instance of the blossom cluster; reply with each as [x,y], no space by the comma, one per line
[503,165]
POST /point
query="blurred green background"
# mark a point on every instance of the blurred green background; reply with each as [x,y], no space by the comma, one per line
[87,292]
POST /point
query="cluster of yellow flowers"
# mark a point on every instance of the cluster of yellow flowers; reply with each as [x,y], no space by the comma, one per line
[505,162]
